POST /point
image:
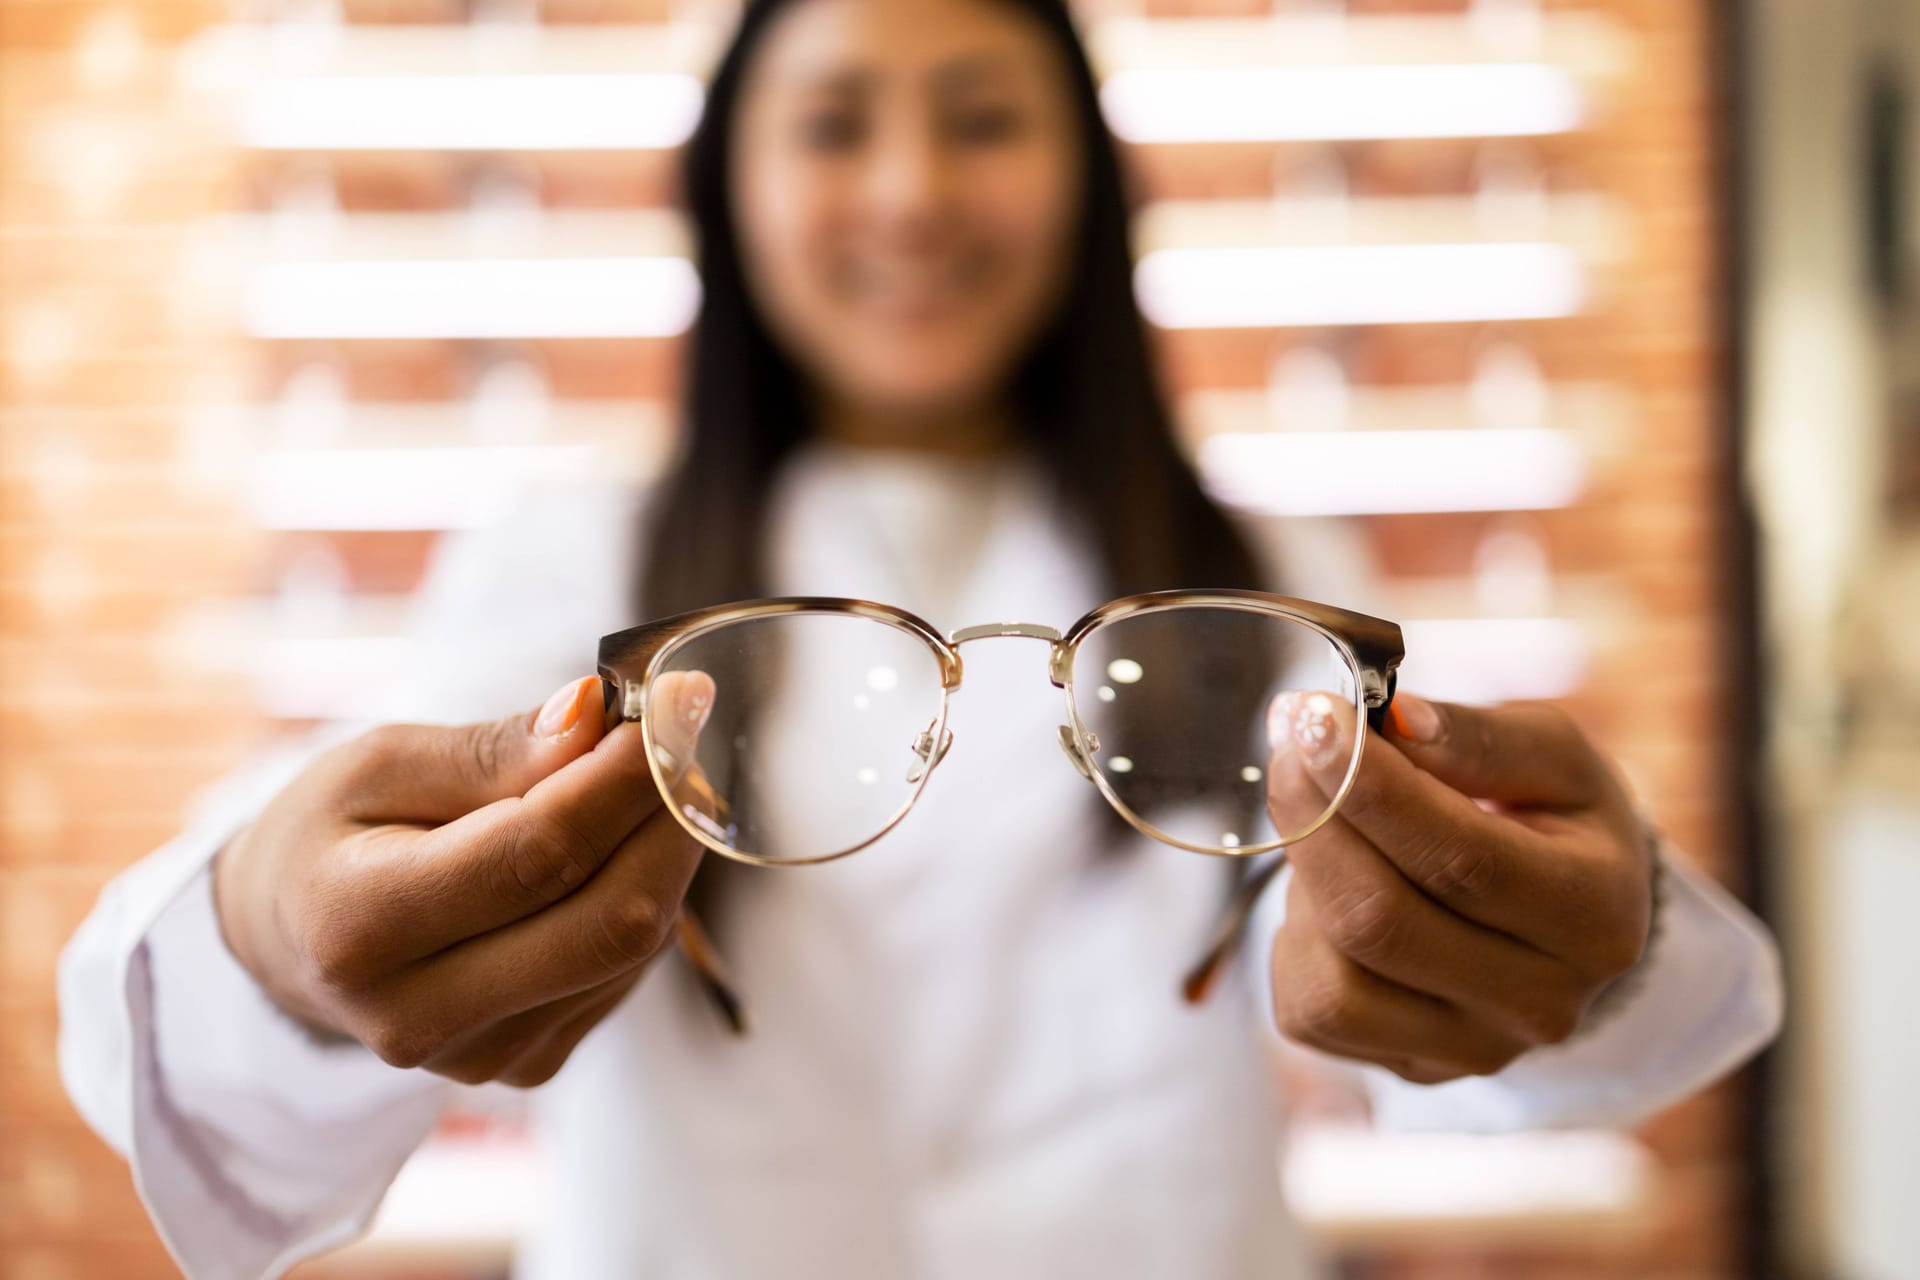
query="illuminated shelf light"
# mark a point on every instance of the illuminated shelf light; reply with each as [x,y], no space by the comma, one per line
[1360,1186]
[332,86]
[1358,284]
[1323,473]
[503,298]
[421,489]
[1350,103]
[472,112]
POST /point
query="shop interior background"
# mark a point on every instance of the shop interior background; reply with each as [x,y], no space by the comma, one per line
[1596,317]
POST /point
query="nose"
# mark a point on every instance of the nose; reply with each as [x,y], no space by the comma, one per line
[908,175]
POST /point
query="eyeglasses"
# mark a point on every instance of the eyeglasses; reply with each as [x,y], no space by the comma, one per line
[1165,714]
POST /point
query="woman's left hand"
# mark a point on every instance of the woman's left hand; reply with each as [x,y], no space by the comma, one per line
[1484,879]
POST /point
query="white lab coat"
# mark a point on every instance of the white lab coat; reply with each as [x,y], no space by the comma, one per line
[969,1055]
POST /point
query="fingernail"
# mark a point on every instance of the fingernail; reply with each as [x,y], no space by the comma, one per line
[1280,719]
[1414,719]
[1315,730]
[681,701]
[694,700]
[561,710]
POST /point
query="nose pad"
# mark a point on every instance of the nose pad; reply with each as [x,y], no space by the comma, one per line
[1074,752]
[929,757]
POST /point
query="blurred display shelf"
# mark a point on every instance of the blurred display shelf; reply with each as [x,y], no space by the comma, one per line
[490,87]
[636,433]
[1590,44]
[1353,1188]
[243,241]
[508,275]
[1589,224]
[1597,412]
[1320,473]
[396,489]
[470,1201]
[1309,77]
[459,466]
[236,54]
[1359,284]
[526,86]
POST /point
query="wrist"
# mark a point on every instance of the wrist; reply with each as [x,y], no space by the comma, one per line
[223,872]
[1617,994]
[235,923]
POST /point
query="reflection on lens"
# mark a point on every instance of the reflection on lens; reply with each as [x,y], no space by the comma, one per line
[822,731]
[1181,727]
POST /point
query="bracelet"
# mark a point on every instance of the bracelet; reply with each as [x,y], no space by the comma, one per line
[1620,993]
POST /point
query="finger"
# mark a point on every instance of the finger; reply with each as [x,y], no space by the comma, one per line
[516,857]
[1480,865]
[613,925]
[541,1065]
[492,1051]
[1376,918]
[1324,1000]
[1519,753]
[430,774]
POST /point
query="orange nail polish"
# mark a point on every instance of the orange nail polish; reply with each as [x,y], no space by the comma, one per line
[562,710]
[1414,719]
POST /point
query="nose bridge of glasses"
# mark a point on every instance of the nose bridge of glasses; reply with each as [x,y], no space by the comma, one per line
[995,630]
[1016,631]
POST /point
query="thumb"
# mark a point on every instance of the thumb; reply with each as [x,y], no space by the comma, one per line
[434,774]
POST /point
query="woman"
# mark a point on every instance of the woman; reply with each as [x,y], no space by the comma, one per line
[919,377]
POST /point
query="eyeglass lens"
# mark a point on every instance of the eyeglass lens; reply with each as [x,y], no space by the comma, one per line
[1176,703]
[821,731]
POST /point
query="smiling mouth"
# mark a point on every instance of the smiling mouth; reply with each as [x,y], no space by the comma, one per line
[917,292]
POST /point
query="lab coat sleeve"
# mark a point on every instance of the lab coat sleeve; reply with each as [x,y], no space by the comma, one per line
[1704,998]
[253,1145]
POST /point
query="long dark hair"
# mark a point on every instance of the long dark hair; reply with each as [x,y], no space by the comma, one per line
[1085,397]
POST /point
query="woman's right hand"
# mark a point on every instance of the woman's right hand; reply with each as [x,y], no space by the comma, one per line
[470,900]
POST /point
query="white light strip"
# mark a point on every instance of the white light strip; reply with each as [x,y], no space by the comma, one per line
[505,298]
[1322,473]
[1494,659]
[1366,1185]
[389,489]
[472,112]
[1358,284]
[1307,104]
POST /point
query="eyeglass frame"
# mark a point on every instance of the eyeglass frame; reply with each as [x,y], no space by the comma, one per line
[1373,648]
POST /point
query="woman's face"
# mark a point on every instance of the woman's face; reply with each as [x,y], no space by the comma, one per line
[906,178]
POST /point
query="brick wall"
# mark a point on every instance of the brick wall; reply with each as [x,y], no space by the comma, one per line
[111,524]
[123,511]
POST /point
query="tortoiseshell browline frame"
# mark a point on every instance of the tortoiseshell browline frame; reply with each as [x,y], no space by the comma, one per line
[1372,646]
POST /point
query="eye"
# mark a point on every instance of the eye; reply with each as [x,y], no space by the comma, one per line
[830,130]
[985,124]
